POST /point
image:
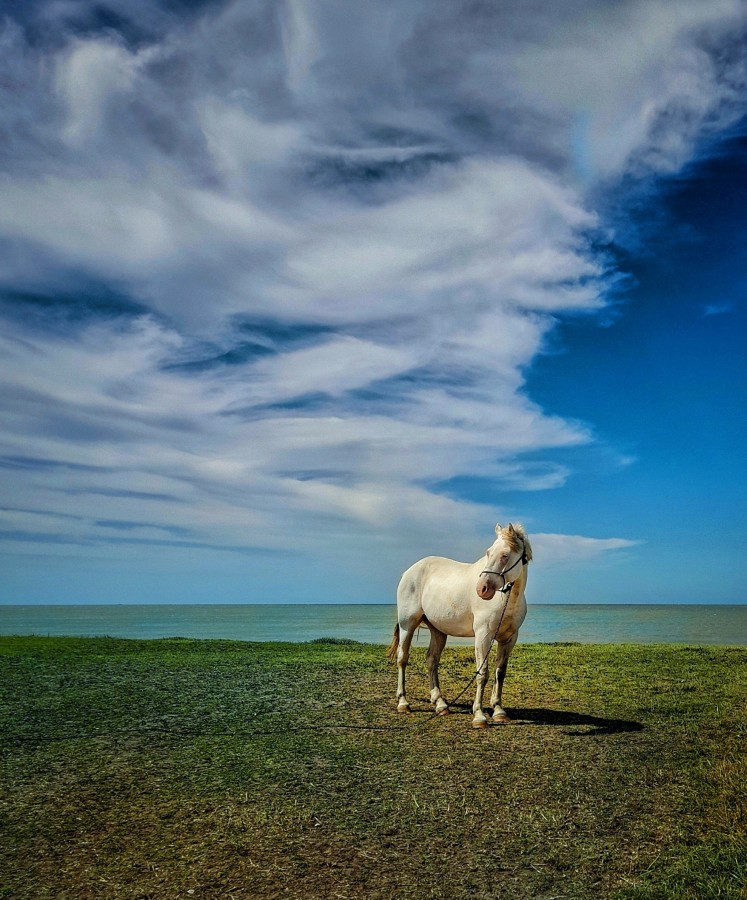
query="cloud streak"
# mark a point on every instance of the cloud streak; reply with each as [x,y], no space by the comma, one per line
[273,269]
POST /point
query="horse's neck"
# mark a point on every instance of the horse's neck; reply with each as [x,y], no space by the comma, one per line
[479,565]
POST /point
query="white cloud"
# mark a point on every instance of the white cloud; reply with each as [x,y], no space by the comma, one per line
[401,196]
[239,142]
[333,367]
[91,73]
[554,549]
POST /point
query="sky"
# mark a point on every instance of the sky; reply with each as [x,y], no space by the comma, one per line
[295,293]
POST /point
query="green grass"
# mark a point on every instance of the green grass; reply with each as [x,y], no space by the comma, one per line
[179,768]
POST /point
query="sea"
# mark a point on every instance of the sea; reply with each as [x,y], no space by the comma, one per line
[373,624]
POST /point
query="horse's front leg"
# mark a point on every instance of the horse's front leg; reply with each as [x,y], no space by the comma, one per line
[496,699]
[482,650]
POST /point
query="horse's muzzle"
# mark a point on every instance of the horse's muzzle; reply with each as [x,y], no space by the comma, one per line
[485,589]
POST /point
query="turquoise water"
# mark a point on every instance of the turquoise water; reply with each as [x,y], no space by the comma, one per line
[372,624]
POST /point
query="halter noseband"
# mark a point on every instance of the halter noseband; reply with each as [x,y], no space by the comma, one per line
[507,585]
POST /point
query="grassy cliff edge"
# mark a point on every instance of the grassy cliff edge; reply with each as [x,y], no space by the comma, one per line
[173,768]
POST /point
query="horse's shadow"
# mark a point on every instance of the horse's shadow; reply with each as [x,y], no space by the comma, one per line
[597,724]
[591,725]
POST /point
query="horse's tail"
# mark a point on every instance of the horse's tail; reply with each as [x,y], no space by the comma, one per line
[394,646]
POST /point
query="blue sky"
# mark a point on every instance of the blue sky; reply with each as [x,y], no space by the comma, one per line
[293,294]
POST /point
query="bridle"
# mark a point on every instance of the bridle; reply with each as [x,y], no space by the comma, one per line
[507,585]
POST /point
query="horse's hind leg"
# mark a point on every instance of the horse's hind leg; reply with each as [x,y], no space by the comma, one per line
[496,699]
[406,633]
[435,649]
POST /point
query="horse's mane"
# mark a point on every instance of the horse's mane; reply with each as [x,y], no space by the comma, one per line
[516,535]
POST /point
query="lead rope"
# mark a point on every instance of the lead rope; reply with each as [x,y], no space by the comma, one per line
[507,591]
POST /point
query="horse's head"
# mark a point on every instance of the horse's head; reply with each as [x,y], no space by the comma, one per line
[504,560]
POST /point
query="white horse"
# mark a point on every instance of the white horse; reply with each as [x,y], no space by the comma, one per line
[484,600]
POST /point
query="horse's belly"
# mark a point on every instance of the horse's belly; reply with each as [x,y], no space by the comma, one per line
[450,616]
[456,626]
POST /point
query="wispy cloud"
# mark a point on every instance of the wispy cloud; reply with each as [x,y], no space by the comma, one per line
[554,549]
[336,237]
[716,309]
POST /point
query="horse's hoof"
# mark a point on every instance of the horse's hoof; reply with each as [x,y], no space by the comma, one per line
[501,720]
[443,712]
[480,723]
[404,708]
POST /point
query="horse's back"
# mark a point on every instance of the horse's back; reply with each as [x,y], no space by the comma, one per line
[431,579]
[419,572]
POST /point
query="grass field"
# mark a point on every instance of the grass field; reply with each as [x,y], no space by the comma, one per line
[181,768]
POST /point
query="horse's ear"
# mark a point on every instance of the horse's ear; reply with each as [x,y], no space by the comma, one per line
[498,528]
[511,528]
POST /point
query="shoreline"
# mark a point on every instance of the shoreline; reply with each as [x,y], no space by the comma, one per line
[724,624]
